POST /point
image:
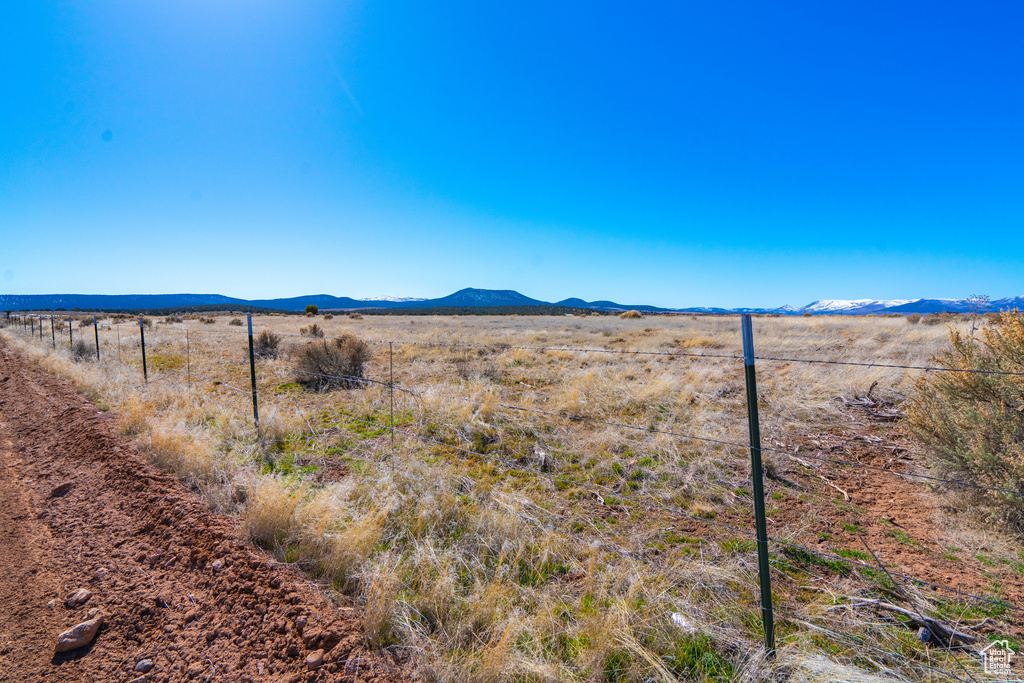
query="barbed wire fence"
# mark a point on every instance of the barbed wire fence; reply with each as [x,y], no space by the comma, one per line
[958,639]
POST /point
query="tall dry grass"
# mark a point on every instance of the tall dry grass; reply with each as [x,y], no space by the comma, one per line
[456,556]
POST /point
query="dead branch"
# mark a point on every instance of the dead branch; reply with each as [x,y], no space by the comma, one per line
[877,408]
[846,496]
[946,636]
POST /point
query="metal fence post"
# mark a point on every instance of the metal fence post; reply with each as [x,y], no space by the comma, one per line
[142,336]
[252,371]
[391,386]
[96,329]
[53,333]
[188,364]
[71,335]
[757,473]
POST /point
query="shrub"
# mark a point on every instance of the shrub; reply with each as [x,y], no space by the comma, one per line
[265,344]
[914,318]
[329,365]
[208,321]
[173,319]
[972,424]
[312,309]
[328,316]
[631,315]
[933,319]
[148,322]
[313,330]
[81,351]
[235,322]
[355,316]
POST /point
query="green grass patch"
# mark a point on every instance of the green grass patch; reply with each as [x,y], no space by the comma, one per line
[694,658]
[805,557]
[854,554]
[737,545]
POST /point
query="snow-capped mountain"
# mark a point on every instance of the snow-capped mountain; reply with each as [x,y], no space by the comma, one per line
[907,306]
[852,305]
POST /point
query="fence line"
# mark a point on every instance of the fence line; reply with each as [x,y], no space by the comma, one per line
[638,352]
[652,505]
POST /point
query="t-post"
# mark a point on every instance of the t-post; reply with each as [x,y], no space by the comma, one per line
[252,371]
[757,473]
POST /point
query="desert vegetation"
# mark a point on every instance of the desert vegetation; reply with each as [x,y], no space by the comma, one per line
[604,532]
[972,422]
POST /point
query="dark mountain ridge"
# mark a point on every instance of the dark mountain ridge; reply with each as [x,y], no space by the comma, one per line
[495,299]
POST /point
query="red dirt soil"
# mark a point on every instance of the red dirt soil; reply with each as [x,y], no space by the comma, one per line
[901,520]
[81,508]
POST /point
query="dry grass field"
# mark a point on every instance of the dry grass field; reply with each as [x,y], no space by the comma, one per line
[569,498]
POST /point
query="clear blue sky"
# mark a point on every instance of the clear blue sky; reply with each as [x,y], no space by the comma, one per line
[683,153]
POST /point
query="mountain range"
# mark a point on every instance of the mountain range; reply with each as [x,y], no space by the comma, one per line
[470,298]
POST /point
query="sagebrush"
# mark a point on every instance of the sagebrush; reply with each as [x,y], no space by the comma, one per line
[329,365]
[972,422]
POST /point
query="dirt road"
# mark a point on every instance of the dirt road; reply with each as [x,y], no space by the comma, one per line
[81,508]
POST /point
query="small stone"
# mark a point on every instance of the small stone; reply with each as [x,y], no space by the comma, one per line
[144,666]
[78,636]
[61,490]
[300,623]
[77,598]
[217,565]
[314,660]
[101,573]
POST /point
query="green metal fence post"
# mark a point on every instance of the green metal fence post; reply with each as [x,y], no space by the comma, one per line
[757,473]
[142,336]
[252,371]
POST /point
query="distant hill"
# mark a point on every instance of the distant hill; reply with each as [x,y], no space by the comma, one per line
[469,298]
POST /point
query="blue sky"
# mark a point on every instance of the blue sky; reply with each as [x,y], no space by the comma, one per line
[726,153]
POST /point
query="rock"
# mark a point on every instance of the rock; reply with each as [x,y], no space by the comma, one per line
[77,598]
[314,660]
[78,636]
[101,573]
[144,666]
[300,623]
[61,490]
[217,565]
